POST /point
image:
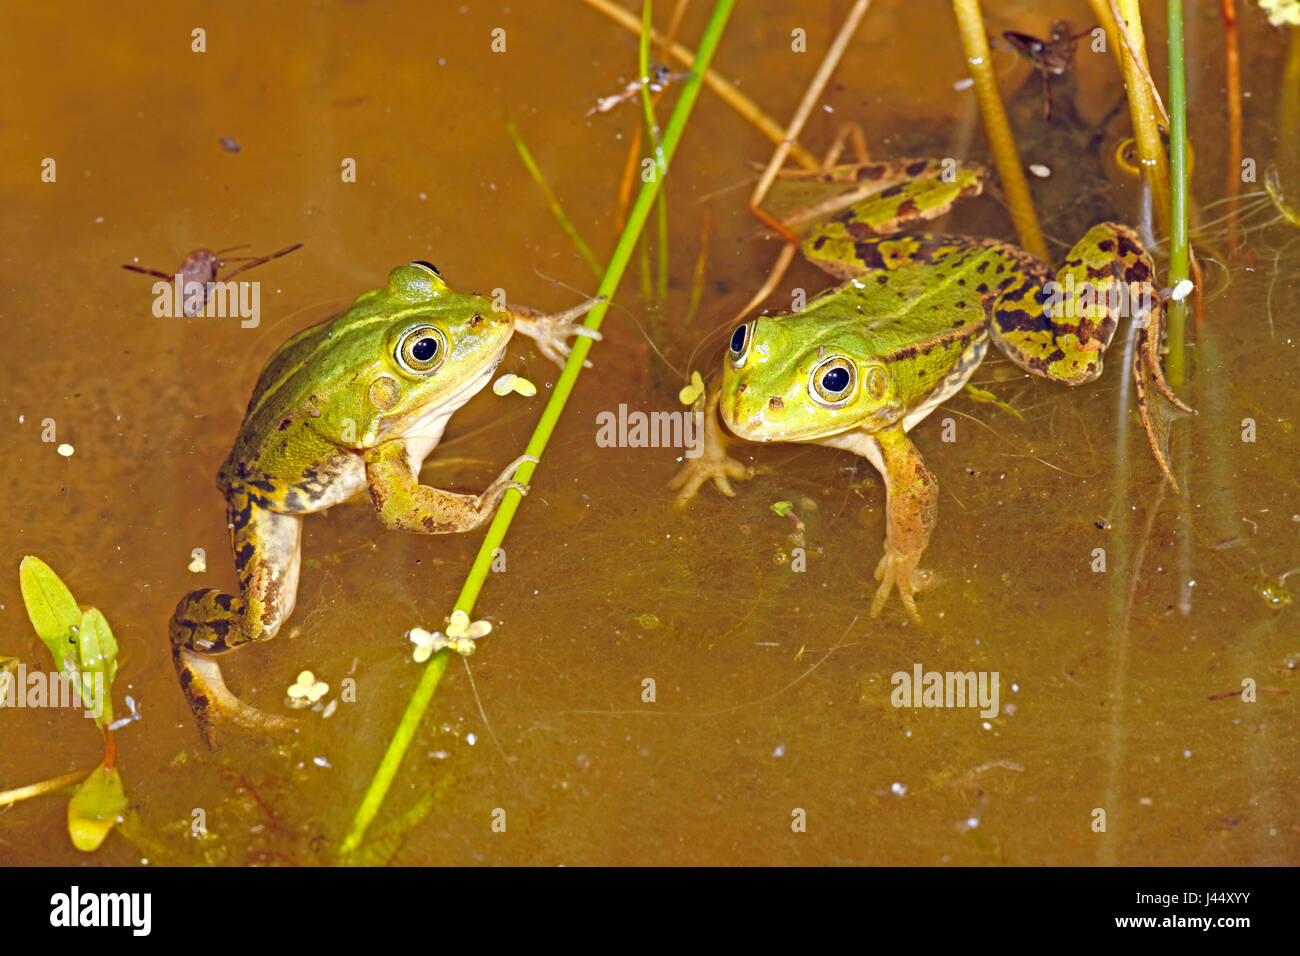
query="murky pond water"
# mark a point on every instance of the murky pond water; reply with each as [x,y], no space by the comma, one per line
[772,684]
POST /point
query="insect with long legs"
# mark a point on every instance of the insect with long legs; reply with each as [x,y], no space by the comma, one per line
[1050,58]
[201,266]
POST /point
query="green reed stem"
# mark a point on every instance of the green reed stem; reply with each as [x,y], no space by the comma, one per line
[1178,254]
[553,200]
[423,693]
[661,201]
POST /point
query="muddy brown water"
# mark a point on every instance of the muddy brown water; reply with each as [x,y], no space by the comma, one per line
[772,686]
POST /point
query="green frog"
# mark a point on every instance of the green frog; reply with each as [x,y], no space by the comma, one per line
[354,404]
[867,360]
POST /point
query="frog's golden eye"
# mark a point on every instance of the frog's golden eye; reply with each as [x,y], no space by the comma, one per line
[740,342]
[420,349]
[832,381]
[428,266]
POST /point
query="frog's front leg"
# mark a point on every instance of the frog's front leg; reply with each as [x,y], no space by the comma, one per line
[404,504]
[267,556]
[911,507]
[552,331]
[713,462]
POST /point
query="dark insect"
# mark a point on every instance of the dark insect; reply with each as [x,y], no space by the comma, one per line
[1050,58]
[201,266]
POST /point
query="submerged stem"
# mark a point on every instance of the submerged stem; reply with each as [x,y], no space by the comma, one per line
[423,693]
[975,44]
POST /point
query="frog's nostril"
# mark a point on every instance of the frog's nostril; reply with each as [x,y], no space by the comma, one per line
[741,388]
[775,402]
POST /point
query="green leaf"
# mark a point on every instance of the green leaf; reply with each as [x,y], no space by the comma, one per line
[94,808]
[98,655]
[51,608]
[781,508]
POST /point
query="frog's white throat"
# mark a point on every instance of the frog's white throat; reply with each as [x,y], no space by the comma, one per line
[423,432]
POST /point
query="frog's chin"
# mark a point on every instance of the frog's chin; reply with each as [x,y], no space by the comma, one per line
[440,409]
[770,432]
[796,434]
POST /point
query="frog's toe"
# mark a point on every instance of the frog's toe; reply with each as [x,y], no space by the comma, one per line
[695,473]
[899,572]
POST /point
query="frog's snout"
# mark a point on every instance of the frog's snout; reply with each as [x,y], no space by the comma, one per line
[757,415]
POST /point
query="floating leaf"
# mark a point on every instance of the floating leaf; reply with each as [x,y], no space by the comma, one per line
[691,392]
[781,508]
[95,808]
[51,608]
[97,649]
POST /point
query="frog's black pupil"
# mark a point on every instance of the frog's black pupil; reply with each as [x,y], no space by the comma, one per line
[430,266]
[425,349]
[836,380]
[738,340]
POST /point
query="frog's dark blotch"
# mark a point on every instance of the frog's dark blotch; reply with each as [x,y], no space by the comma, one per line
[1139,271]
[239,517]
[1127,245]
[908,208]
[872,172]
[918,167]
[244,555]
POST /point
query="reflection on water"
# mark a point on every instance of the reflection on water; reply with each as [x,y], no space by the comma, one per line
[772,688]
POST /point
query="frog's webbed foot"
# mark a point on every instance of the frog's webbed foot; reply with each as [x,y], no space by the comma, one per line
[911,508]
[696,471]
[898,569]
[494,492]
[712,461]
[551,331]
[215,707]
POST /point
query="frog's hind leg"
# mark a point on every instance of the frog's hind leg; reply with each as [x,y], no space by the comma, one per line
[206,622]
[1059,326]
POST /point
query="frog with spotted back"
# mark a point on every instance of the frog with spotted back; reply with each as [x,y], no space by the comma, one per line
[867,360]
[354,404]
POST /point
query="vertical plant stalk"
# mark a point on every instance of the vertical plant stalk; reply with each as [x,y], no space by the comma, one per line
[1143,110]
[975,44]
[661,201]
[1288,110]
[423,693]
[737,100]
[1178,247]
[1106,20]
[557,209]
[1232,75]
[785,145]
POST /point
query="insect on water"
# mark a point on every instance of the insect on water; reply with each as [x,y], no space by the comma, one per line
[1050,58]
[201,266]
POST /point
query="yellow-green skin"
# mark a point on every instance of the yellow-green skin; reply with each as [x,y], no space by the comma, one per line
[905,331]
[340,409]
